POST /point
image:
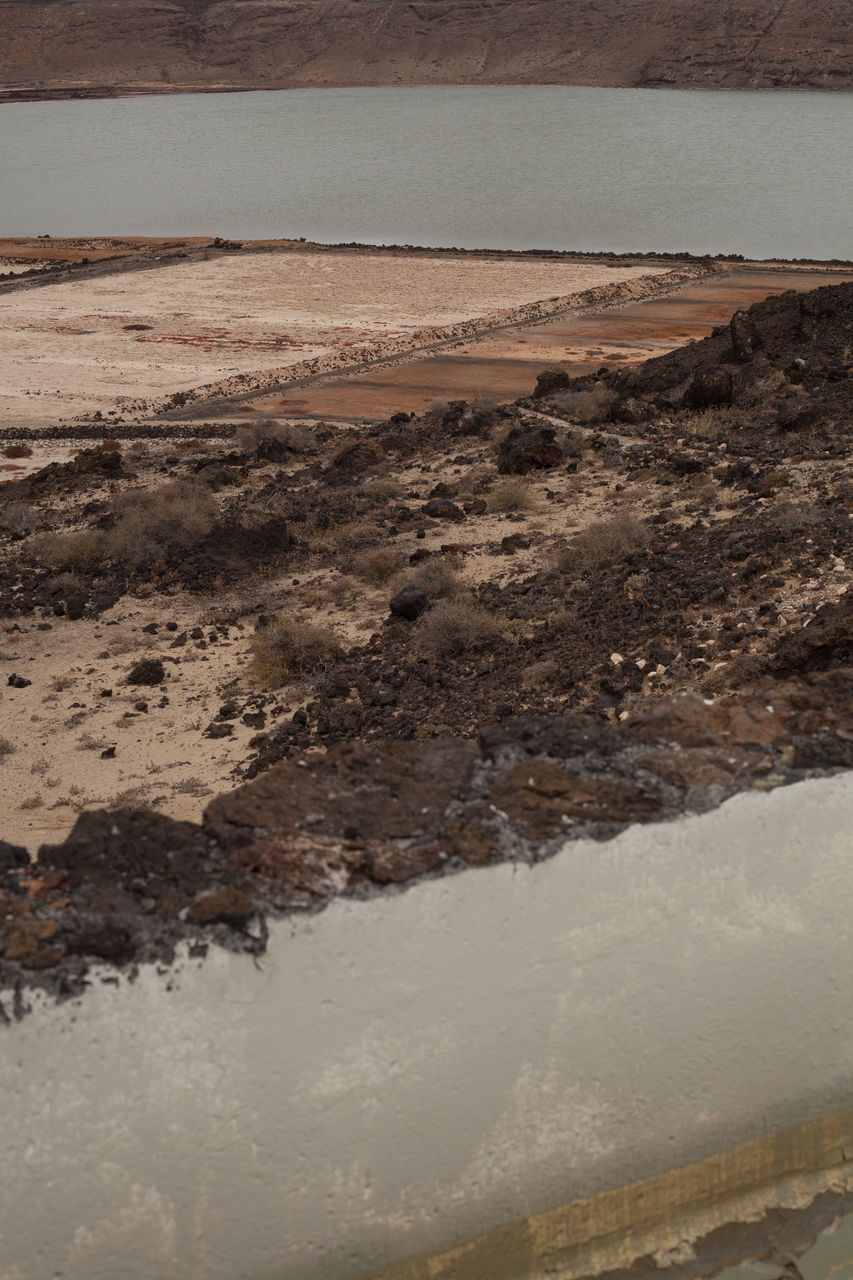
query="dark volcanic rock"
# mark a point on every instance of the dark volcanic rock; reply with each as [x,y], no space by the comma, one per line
[148,671]
[745,336]
[443,509]
[12,855]
[382,791]
[549,381]
[409,603]
[709,387]
[541,794]
[529,449]
[827,641]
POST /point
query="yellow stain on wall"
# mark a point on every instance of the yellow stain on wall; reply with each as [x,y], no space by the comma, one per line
[662,1216]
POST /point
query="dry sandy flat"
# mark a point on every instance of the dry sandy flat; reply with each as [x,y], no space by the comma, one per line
[504,366]
[122,342]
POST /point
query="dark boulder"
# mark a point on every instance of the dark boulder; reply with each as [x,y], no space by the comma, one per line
[709,388]
[443,509]
[746,339]
[12,856]
[529,449]
[550,381]
[148,671]
[409,603]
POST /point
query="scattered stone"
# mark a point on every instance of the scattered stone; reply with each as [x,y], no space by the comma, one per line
[18,682]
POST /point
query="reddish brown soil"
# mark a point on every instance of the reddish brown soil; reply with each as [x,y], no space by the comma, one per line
[505,366]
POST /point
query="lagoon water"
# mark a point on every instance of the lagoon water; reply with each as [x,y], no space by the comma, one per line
[515,167]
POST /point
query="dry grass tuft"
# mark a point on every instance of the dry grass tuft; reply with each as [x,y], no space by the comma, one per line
[81,549]
[287,648]
[377,566]
[7,747]
[512,494]
[17,451]
[382,487]
[19,517]
[353,535]
[588,406]
[248,435]
[605,542]
[153,525]
[455,627]
[439,578]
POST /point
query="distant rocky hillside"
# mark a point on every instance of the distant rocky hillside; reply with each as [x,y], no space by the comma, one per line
[94,47]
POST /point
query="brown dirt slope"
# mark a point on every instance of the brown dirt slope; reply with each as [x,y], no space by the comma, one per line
[88,47]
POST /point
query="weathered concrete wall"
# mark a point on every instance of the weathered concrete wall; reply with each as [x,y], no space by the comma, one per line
[400,1074]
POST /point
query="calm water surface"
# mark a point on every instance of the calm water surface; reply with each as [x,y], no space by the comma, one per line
[763,174]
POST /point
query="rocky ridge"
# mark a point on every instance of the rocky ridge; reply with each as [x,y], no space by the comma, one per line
[142,47]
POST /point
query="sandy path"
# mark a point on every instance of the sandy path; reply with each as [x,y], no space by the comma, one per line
[122,342]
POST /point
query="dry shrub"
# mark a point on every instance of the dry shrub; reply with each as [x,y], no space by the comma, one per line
[539,673]
[354,534]
[438,578]
[382,487]
[342,589]
[287,648]
[248,435]
[588,406]
[512,494]
[69,582]
[605,542]
[377,566]
[710,424]
[455,627]
[7,747]
[19,517]
[154,524]
[572,443]
[636,583]
[17,451]
[82,549]
[788,517]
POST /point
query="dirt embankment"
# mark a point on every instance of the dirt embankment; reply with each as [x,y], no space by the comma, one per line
[89,48]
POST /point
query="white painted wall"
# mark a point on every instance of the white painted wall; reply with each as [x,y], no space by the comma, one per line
[400,1073]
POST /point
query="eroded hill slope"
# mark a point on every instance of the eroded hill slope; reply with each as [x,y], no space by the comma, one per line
[85,47]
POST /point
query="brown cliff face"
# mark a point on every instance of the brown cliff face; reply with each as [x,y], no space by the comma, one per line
[91,47]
